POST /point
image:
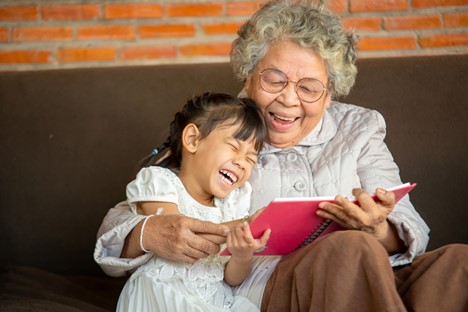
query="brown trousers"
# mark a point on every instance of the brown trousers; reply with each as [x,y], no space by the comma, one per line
[350,271]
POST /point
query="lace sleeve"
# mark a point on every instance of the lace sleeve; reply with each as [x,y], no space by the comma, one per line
[153,184]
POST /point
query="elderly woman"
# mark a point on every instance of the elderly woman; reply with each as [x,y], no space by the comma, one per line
[296,58]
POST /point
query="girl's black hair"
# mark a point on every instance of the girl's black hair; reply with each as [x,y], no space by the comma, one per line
[207,112]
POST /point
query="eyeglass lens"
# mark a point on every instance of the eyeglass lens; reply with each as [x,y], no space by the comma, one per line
[307,89]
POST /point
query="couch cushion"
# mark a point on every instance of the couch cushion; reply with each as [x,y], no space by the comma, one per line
[31,289]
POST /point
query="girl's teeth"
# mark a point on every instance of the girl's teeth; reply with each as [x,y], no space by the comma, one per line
[227,180]
[228,176]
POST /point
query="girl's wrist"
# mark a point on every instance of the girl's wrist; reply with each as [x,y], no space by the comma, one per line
[242,259]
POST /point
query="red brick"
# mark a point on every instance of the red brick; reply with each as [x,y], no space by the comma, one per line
[70,12]
[114,11]
[444,40]
[362,23]
[412,22]
[3,34]
[86,54]
[208,49]
[167,31]
[149,52]
[378,5]
[243,8]
[434,3]
[42,34]
[337,6]
[106,32]
[221,28]
[456,20]
[387,43]
[202,9]
[24,57]
[18,13]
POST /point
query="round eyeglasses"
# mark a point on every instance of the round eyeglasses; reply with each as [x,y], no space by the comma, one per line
[308,90]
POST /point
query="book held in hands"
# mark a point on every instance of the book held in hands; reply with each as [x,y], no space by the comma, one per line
[294,223]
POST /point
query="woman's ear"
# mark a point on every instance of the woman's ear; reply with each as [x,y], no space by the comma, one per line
[328,98]
[190,137]
[248,82]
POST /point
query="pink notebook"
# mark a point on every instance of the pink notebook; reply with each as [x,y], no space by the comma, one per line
[294,223]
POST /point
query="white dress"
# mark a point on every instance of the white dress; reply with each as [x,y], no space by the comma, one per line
[162,285]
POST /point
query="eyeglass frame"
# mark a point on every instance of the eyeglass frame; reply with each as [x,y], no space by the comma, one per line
[288,81]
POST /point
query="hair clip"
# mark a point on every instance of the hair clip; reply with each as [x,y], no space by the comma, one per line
[154,152]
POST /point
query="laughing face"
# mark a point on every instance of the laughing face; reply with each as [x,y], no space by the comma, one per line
[288,118]
[223,163]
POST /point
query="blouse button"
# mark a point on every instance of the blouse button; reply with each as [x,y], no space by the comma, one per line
[300,186]
[292,157]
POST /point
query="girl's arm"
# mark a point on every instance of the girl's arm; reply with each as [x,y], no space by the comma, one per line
[242,246]
[150,208]
[131,247]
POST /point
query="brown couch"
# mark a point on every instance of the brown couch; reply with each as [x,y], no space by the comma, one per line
[70,140]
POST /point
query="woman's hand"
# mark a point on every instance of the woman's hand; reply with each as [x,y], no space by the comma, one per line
[176,238]
[369,216]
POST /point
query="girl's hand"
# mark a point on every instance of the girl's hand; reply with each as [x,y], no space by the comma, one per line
[242,244]
[255,215]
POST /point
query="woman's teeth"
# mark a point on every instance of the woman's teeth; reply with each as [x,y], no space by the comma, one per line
[283,118]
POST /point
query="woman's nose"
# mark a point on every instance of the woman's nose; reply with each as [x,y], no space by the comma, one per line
[288,95]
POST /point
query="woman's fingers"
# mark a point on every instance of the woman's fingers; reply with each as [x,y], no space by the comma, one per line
[367,214]
[366,202]
[386,198]
[175,237]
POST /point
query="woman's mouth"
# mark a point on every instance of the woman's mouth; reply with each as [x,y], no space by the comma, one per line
[281,122]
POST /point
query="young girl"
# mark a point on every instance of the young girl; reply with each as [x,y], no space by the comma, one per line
[202,171]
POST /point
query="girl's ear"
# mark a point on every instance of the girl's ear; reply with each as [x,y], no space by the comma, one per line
[190,138]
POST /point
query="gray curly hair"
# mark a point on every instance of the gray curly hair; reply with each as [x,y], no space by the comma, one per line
[309,25]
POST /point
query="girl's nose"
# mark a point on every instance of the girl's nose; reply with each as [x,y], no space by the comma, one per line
[240,162]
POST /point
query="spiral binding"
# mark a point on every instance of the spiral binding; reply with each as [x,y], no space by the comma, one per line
[315,233]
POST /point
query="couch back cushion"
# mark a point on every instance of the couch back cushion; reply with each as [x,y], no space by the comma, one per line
[71,139]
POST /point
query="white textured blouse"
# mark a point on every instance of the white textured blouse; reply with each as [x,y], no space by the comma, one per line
[204,278]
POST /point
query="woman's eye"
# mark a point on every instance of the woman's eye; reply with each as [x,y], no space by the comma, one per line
[305,89]
[277,83]
[308,90]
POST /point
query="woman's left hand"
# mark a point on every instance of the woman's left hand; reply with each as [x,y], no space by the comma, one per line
[369,216]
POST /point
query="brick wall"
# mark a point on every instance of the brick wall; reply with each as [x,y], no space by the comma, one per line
[86,33]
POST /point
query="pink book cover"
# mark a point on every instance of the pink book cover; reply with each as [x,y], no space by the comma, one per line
[294,223]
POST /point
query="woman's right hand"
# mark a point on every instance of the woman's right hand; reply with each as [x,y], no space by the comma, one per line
[175,237]
[369,216]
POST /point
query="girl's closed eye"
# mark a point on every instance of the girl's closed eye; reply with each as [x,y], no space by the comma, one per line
[252,160]
[233,146]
